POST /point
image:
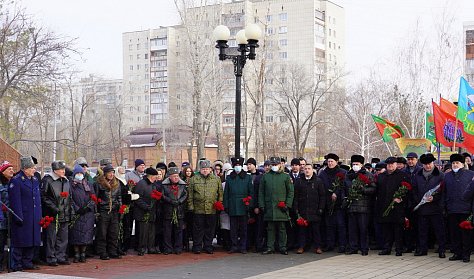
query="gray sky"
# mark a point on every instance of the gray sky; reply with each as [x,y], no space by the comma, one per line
[374,28]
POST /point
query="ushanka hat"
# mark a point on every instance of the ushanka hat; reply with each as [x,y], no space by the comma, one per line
[173,170]
[427,158]
[237,161]
[357,159]
[26,162]
[332,156]
[457,157]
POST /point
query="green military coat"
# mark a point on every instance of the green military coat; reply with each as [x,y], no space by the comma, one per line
[238,187]
[203,192]
[274,188]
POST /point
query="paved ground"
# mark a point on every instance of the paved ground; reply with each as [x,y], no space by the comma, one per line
[223,265]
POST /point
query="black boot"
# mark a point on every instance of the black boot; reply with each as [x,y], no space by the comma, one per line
[82,258]
[76,258]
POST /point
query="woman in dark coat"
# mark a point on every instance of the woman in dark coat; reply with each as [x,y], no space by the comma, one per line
[81,231]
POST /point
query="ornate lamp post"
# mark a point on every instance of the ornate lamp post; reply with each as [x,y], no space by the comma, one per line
[248,41]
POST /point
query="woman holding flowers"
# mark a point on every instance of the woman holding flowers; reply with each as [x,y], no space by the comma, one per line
[84,201]
[390,206]
[360,187]
[57,203]
[309,204]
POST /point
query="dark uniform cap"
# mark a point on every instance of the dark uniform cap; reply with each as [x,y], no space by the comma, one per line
[58,165]
[375,160]
[427,158]
[380,166]
[412,155]
[275,160]
[151,171]
[457,157]
[108,168]
[173,170]
[401,160]
[357,158]
[237,161]
[185,164]
[390,160]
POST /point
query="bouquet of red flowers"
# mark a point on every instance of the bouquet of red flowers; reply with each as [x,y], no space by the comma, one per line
[64,194]
[337,184]
[95,199]
[218,206]
[46,221]
[302,222]
[399,194]
[247,200]
[467,224]
[131,184]
[156,195]
[355,191]
[281,205]
[123,209]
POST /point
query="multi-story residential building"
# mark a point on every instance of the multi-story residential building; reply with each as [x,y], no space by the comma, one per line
[469,43]
[158,82]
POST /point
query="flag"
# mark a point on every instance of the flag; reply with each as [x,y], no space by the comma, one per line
[466,106]
[447,106]
[419,146]
[445,125]
[430,128]
[387,129]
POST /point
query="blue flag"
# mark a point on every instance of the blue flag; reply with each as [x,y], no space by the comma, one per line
[466,106]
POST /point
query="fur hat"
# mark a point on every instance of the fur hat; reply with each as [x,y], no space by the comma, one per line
[457,157]
[173,170]
[58,165]
[204,164]
[251,161]
[332,156]
[104,162]
[427,158]
[375,160]
[390,160]
[401,160]
[357,159]
[26,162]
[81,161]
[237,161]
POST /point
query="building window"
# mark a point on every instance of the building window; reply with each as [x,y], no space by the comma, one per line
[269,56]
[269,18]
[269,119]
[228,120]
[283,42]
[131,109]
[138,46]
[130,47]
[283,55]
[283,119]
[283,16]
[131,57]
[334,33]
[146,55]
[269,30]
[139,119]
[330,44]
[138,56]
[131,67]
[283,29]
[330,32]
[138,67]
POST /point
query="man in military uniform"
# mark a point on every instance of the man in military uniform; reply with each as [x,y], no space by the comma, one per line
[25,201]
[204,191]
[238,186]
[57,203]
[275,198]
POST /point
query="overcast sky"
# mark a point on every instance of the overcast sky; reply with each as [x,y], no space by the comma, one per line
[373,27]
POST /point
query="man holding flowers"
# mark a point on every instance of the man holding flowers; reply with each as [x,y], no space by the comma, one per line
[391,191]
[275,197]
[430,213]
[55,188]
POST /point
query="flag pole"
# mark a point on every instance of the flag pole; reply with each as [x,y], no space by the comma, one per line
[439,151]
[388,149]
[455,130]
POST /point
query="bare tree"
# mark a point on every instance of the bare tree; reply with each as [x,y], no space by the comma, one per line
[301,98]
[28,53]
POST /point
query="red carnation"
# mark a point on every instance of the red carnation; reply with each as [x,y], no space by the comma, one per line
[218,206]
[406,225]
[466,225]
[281,205]
[407,185]
[4,208]
[46,221]
[364,178]
[156,195]
[123,209]
[64,194]
[247,200]
[95,199]
[302,222]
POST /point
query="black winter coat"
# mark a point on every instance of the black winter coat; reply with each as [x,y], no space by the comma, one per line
[364,203]
[145,204]
[422,185]
[52,202]
[170,201]
[329,176]
[455,185]
[110,193]
[387,185]
[310,198]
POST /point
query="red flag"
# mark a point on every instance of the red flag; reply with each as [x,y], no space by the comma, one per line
[447,106]
[444,127]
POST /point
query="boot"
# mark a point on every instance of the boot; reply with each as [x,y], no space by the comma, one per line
[82,258]
[76,258]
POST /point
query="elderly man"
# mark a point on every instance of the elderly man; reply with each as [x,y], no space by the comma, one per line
[430,213]
[275,197]
[56,201]
[25,201]
[174,198]
[204,191]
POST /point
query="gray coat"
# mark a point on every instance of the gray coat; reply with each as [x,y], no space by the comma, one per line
[82,231]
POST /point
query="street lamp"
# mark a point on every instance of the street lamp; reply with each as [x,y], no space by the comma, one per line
[248,41]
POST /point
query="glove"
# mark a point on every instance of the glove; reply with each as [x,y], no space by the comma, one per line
[135,197]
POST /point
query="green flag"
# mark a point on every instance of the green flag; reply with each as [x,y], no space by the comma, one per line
[430,128]
[387,129]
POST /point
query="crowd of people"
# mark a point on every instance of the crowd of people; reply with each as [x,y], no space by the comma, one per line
[408,204]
